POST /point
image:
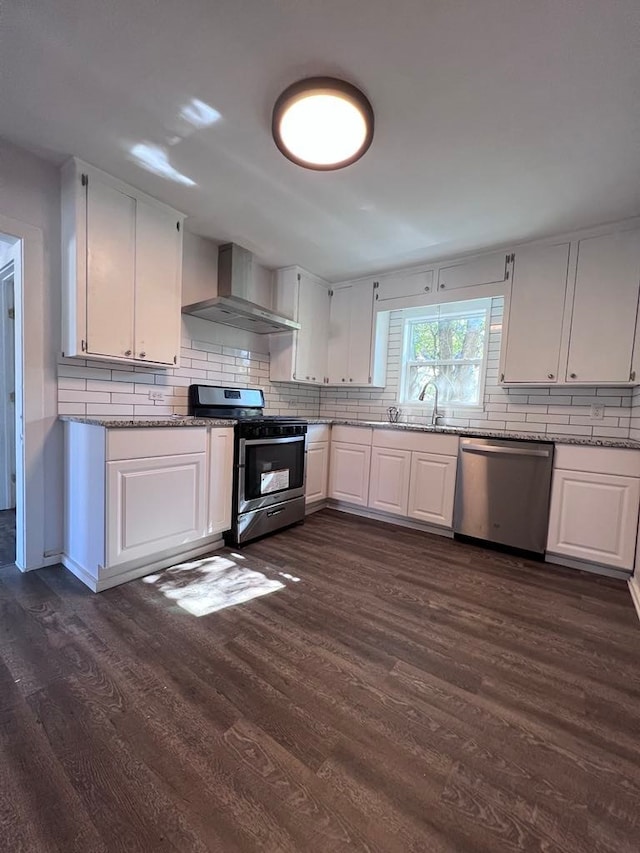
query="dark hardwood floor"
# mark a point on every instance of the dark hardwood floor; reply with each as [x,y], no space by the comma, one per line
[7,537]
[401,692]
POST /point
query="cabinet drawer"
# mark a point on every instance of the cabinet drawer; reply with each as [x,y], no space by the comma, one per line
[598,460]
[352,435]
[148,441]
[425,442]
[318,433]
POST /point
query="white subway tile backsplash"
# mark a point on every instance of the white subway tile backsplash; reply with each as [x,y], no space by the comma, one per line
[562,409]
[120,390]
[85,387]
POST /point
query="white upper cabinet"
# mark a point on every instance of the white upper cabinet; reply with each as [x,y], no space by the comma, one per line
[110,271]
[301,356]
[121,265]
[605,304]
[158,275]
[403,285]
[490,269]
[534,310]
[351,331]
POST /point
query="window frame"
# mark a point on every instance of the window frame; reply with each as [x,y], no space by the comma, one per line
[444,310]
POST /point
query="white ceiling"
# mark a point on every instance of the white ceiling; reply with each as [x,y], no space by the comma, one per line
[497,120]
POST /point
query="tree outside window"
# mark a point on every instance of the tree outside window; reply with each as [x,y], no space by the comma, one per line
[447,344]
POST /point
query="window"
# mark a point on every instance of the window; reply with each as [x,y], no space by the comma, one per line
[447,346]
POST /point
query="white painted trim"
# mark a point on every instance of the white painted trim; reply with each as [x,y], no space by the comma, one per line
[309,509]
[634,589]
[30,373]
[594,568]
[130,572]
[7,385]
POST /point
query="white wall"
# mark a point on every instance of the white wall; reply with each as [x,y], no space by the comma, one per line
[30,194]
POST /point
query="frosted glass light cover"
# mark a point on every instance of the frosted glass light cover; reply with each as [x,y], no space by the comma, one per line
[322,123]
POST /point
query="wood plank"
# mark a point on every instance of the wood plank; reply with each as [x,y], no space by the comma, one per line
[405,693]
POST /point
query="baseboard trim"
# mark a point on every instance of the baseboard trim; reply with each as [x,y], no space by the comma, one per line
[81,573]
[552,559]
[389,518]
[594,568]
[133,571]
[634,589]
[316,507]
[47,560]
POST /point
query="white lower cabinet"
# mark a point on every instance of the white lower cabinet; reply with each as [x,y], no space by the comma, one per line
[389,484]
[220,480]
[317,472]
[349,478]
[595,498]
[154,504]
[137,500]
[432,488]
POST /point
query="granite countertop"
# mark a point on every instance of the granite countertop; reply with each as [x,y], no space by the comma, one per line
[628,443]
[115,422]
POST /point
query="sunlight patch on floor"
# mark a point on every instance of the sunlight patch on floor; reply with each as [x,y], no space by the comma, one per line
[205,586]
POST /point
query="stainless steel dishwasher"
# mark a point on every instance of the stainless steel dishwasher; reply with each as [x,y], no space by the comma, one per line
[502,492]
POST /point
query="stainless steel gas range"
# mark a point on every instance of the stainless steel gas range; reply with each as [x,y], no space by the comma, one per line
[269,460]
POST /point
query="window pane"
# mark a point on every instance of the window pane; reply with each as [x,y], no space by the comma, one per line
[457,383]
[448,338]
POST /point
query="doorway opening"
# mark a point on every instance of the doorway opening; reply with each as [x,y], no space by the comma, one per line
[8,446]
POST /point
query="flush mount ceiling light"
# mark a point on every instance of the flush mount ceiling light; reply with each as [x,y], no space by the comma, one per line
[322,123]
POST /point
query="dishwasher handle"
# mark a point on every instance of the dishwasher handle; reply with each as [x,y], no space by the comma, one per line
[505,451]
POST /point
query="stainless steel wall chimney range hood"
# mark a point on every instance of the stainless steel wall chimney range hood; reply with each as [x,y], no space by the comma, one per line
[231,306]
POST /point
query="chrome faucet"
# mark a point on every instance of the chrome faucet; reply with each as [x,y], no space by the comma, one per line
[434,413]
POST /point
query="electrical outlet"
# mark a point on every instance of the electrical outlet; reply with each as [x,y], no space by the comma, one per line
[597,411]
[158,396]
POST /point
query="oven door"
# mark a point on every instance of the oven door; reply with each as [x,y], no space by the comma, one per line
[270,471]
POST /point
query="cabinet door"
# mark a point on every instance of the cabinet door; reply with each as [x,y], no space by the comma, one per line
[402,286]
[360,333]
[491,269]
[531,348]
[317,469]
[594,517]
[432,488]
[111,236]
[605,303]
[349,477]
[158,284]
[154,504]
[339,332]
[311,340]
[220,480]
[389,485]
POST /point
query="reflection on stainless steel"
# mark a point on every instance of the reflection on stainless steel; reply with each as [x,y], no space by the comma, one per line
[250,525]
[503,490]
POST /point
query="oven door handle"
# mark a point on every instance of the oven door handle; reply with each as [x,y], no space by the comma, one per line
[253,441]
